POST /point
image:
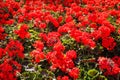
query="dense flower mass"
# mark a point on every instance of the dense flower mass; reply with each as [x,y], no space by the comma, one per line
[15,48]
[59,39]
[9,69]
[109,65]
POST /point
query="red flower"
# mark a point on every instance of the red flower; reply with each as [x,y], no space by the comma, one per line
[105,31]
[89,42]
[60,61]
[107,64]
[2,34]
[71,54]
[6,68]
[38,45]
[58,47]
[59,77]
[37,55]
[114,12]
[53,38]
[68,63]
[63,78]
[54,34]
[43,36]
[108,43]
[60,18]
[66,27]
[93,25]
[15,48]
[9,69]
[20,19]
[42,25]
[1,29]
[96,34]
[54,21]
[116,59]
[10,22]
[22,33]
[74,73]
[68,19]
[92,17]
[76,34]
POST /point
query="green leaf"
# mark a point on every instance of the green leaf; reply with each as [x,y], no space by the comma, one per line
[93,73]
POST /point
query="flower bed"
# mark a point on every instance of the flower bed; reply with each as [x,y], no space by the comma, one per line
[59,39]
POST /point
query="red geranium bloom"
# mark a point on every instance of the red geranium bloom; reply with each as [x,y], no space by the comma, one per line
[89,42]
[10,22]
[108,43]
[68,19]
[22,33]
[1,29]
[105,31]
[9,69]
[68,63]
[43,36]
[52,38]
[54,21]
[60,18]
[38,45]
[63,78]
[74,73]
[58,47]
[96,34]
[2,34]
[15,48]
[71,54]
[107,64]
[42,25]
[116,59]
[37,55]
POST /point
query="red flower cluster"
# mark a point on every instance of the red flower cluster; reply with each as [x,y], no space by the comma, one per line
[74,73]
[83,37]
[89,16]
[54,21]
[116,59]
[37,54]
[9,67]
[108,65]
[22,33]
[51,38]
[63,78]
[15,49]
[8,10]
[2,34]
[62,61]
[108,43]
[9,70]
